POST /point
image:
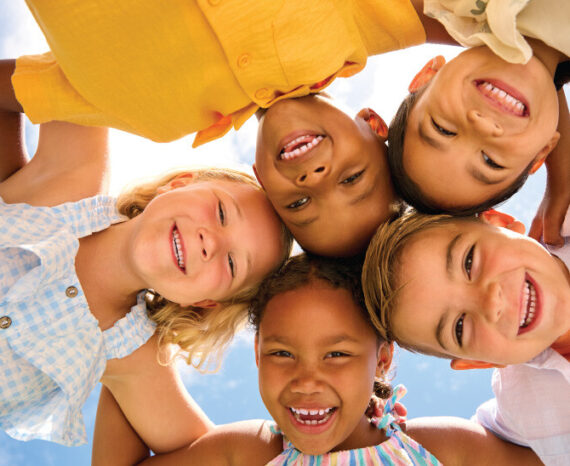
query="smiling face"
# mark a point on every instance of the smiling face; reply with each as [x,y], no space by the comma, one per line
[476,128]
[325,173]
[206,240]
[317,383]
[479,292]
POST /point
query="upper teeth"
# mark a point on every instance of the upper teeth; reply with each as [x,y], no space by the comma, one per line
[177,248]
[529,304]
[304,148]
[324,413]
[505,99]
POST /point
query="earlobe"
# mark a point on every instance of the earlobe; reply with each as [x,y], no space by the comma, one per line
[464,364]
[426,74]
[501,219]
[375,121]
[384,358]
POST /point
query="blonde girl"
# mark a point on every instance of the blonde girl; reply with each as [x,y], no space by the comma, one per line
[98,288]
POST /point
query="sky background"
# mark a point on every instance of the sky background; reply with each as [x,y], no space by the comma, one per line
[231,394]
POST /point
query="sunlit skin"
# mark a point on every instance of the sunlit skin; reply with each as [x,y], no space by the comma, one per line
[229,235]
[315,350]
[464,293]
[462,145]
[334,196]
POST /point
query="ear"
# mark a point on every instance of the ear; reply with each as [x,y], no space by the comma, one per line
[426,74]
[375,122]
[547,149]
[179,182]
[384,358]
[257,176]
[463,364]
[256,349]
[500,219]
[206,304]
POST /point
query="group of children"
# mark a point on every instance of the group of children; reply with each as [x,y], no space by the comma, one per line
[177,262]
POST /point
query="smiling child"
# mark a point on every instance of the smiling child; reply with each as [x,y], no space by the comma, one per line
[483,296]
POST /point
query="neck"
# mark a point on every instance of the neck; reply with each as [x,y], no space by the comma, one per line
[549,57]
[103,270]
[364,435]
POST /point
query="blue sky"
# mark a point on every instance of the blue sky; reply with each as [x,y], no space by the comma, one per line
[231,394]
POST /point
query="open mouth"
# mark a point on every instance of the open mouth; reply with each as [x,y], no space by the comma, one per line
[312,417]
[178,249]
[529,306]
[503,97]
[300,146]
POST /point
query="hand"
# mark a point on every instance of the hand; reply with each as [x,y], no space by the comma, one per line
[549,219]
[376,409]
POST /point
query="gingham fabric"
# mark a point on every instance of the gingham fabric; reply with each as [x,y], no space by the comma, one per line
[52,352]
[398,449]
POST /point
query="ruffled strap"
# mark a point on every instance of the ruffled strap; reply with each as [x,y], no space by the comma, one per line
[390,417]
[130,332]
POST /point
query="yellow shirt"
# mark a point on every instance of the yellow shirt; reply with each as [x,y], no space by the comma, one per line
[164,69]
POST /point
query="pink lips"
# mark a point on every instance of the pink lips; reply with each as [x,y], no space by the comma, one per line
[531,306]
[313,429]
[177,249]
[504,97]
[297,144]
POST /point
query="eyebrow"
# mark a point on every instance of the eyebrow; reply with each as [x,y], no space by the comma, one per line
[480,176]
[427,138]
[439,330]
[329,341]
[449,254]
[306,222]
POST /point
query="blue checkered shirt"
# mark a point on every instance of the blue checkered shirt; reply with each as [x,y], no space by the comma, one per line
[52,351]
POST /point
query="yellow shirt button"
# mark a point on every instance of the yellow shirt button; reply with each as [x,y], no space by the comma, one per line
[243,60]
[262,93]
[71,292]
[5,322]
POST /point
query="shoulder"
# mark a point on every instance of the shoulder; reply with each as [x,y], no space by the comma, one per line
[461,442]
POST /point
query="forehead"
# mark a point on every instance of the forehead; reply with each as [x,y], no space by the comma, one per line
[316,306]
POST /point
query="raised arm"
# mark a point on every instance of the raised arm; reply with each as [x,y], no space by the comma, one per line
[456,441]
[154,399]
[13,154]
[435,31]
[552,210]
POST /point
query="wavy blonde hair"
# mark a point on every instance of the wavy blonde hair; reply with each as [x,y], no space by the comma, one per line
[381,271]
[201,334]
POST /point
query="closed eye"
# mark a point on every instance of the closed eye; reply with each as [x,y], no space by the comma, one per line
[281,354]
[489,161]
[459,329]
[231,265]
[468,262]
[337,354]
[441,129]
[221,213]
[298,203]
[352,178]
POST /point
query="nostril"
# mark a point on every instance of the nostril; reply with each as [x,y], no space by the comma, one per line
[204,253]
[319,170]
[303,178]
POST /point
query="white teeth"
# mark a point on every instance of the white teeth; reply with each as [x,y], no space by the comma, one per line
[506,100]
[177,246]
[300,413]
[305,143]
[529,304]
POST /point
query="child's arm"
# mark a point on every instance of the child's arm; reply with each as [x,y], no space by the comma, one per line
[435,31]
[456,441]
[154,399]
[70,163]
[115,442]
[13,154]
[554,205]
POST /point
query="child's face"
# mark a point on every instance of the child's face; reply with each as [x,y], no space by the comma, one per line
[205,240]
[479,292]
[317,354]
[332,186]
[466,140]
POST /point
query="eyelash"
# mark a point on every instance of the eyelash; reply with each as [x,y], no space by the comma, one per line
[489,161]
[459,329]
[281,353]
[442,130]
[468,264]
[298,203]
[222,215]
[352,178]
[337,354]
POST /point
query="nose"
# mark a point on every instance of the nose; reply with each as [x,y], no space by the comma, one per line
[313,175]
[484,124]
[209,244]
[306,380]
[492,303]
